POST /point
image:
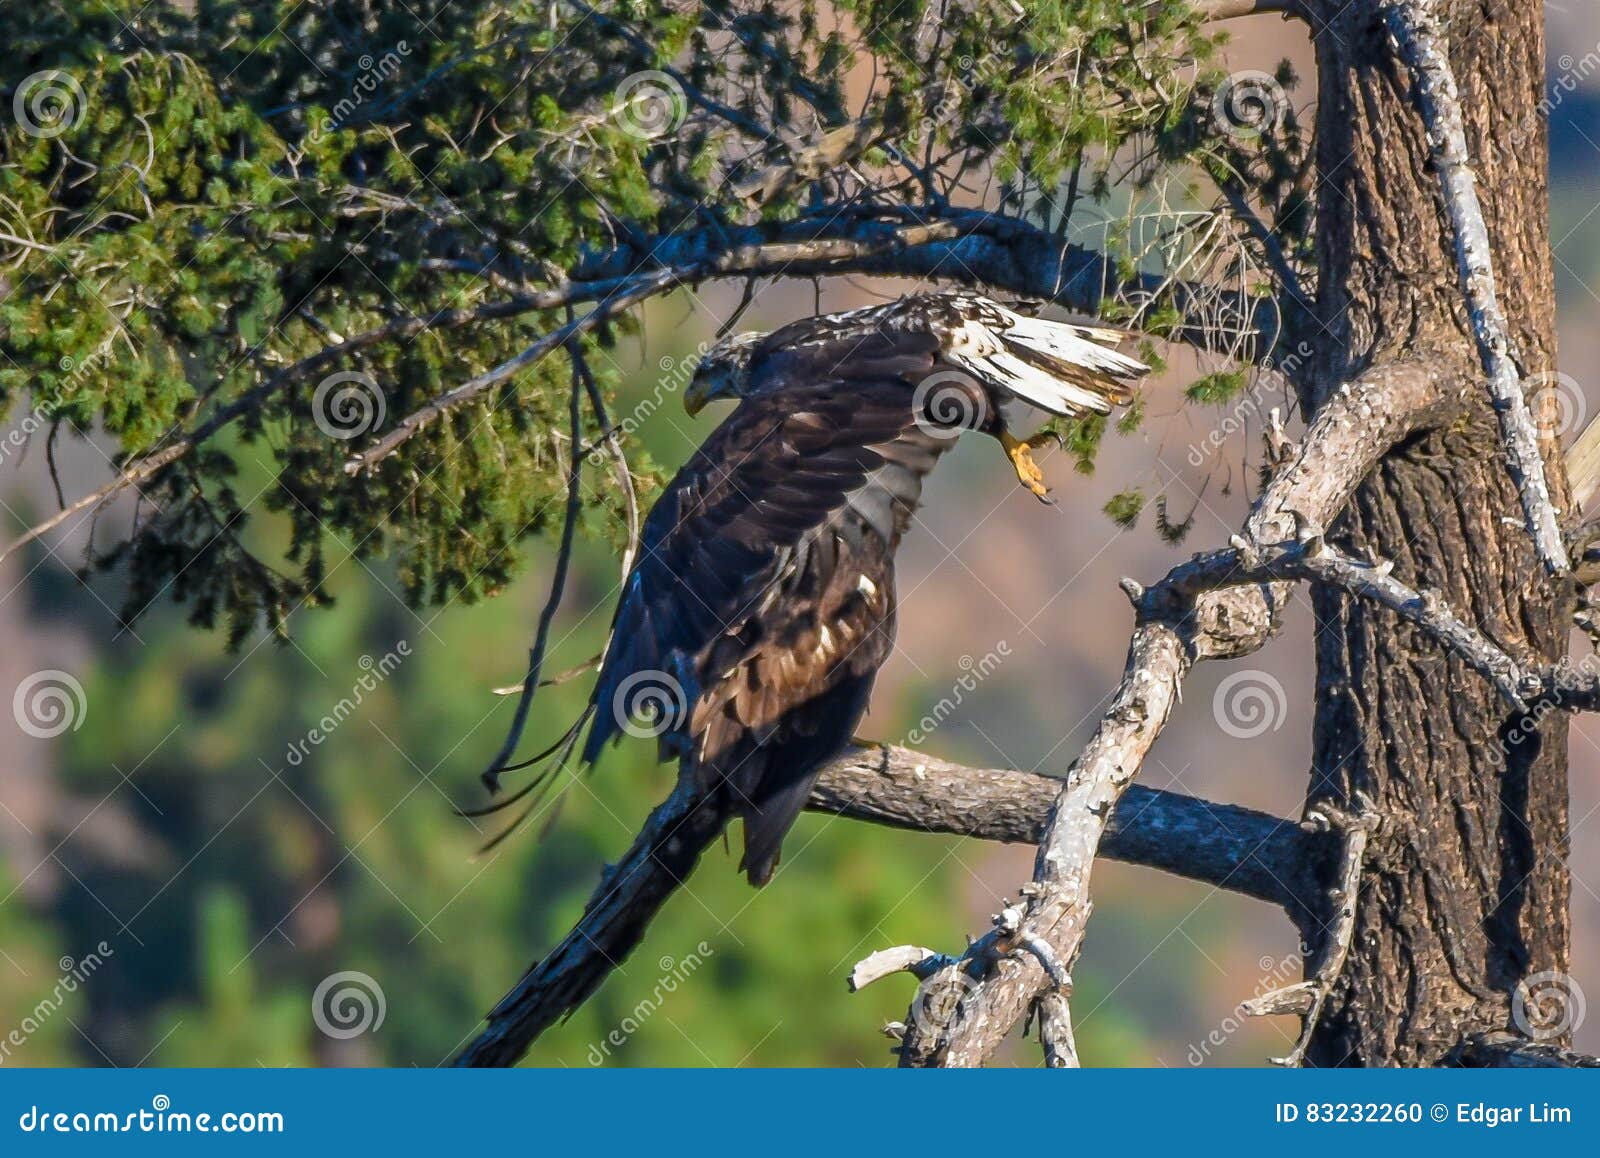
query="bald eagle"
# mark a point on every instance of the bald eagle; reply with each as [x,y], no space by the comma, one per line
[762,602]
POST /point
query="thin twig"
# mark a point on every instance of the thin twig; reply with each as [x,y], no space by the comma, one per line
[619,459]
[558,586]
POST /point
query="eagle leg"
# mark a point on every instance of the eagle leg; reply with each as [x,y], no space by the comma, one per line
[1020,452]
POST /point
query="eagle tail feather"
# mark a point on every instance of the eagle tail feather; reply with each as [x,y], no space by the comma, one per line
[1047,387]
[767,822]
[1074,369]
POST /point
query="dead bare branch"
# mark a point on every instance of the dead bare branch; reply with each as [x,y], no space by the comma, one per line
[1231,847]
[1055,1031]
[1415,27]
[913,959]
[1175,628]
[1310,996]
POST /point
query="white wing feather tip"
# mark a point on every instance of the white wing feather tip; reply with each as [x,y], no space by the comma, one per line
[1060,367]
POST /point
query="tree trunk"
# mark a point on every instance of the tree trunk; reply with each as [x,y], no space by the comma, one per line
[1465,890]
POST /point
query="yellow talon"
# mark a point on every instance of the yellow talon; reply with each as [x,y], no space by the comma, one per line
[1020,452]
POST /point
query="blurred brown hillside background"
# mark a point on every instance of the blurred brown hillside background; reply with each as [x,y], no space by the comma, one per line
[229,881]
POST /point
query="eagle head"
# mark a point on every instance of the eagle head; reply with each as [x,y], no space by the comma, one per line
[723,372]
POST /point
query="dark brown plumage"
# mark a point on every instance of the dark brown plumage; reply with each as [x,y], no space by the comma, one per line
[762,602]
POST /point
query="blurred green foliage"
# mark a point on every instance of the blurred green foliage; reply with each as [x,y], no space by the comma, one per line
[252,878]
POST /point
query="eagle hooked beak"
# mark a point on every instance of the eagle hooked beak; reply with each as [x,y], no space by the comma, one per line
[697,395]
[710,384]
[721,373]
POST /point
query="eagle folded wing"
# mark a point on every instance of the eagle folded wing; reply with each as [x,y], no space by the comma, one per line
[728,547]
[762,603]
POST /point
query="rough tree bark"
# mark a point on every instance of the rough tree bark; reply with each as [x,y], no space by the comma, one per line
[1465,890]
